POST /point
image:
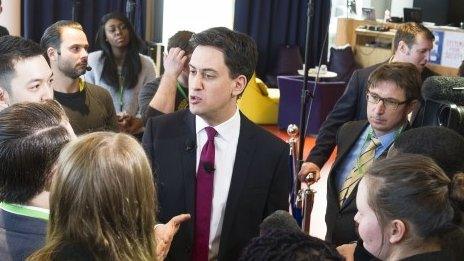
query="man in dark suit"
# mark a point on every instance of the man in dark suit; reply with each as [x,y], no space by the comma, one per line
[393,92]
[413,43]
[211,157]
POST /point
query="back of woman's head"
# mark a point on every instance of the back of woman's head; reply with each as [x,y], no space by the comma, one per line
[411,188]
[103,196]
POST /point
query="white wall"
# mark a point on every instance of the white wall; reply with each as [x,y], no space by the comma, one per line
[196,16]
[11,16]
[398,5]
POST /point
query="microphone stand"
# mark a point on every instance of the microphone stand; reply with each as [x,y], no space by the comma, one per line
[130,11]
[304,196]
[76,7]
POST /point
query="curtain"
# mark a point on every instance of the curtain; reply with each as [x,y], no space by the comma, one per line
[273,23]
[38,15]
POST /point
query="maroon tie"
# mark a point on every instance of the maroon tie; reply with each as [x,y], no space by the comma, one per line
[204,198]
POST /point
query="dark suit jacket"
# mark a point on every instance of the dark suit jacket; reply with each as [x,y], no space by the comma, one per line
[339,220]
[3,31]
[259,185]
[351,106]
[20,236]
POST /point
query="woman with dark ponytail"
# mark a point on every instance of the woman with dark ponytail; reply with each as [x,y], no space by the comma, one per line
[406,210]
[121,69]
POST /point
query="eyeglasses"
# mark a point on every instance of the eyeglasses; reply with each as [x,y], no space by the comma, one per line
[389,103]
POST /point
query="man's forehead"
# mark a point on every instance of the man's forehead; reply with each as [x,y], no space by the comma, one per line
[207,57]
[390,87]
[71,36]
[421,39]
[29,68]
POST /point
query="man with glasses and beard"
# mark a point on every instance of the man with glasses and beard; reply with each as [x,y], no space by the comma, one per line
[89,107]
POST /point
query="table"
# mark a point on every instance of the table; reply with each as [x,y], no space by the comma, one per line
[313,73]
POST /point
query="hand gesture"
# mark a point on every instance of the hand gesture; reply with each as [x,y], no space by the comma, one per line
[164,233]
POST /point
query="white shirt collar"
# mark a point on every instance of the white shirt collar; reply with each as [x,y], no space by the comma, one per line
[225,130]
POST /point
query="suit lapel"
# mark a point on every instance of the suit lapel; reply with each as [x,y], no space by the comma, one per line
[243,157]
[188,167]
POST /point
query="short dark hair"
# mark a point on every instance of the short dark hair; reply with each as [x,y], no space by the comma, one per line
[282,245]
[13,49]
[31,137]
[181,39]
[240,52]
[412,188]
[443,145]
[404,75]
[408,33]
[52,35]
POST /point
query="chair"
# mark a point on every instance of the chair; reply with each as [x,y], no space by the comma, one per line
[326,95]
[289,61]
[342,62]
[258,103]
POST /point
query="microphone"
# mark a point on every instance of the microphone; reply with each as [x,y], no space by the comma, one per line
[444,88]
[189,145]
[280,219]
[209,167]
[88,68]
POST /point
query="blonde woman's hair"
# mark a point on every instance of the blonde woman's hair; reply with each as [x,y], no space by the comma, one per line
[102,197]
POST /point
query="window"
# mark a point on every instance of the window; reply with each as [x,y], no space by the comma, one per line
[196,16]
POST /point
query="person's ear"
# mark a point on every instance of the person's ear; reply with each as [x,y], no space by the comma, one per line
[3,95]
[239,85]
[397,231]
[4,99]
[52,53]
[403,48]
[413,106]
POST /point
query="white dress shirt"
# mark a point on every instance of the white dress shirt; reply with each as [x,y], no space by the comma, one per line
[225,144]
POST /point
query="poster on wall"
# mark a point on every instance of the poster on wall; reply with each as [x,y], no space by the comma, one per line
[453,49]
[435,53]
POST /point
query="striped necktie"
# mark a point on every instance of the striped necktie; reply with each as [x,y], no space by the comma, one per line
[364,161]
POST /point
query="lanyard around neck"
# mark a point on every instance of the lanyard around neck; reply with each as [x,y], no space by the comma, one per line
[181,90]
[121,91]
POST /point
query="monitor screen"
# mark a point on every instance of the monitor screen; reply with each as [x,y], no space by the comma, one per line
[412,15]
[368,13]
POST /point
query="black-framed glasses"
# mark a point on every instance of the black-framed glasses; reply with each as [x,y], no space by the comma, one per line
[389,103]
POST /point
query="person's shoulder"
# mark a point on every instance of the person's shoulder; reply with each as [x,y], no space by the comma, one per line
[261,135]
[146,59]
[96,89]
[428,72]
[367,70]
[95,55]
[170,119]
[3,31]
